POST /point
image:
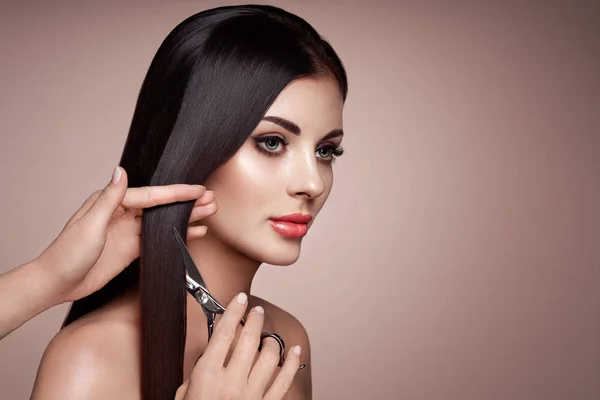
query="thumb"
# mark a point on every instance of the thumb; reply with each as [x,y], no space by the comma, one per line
[110,198]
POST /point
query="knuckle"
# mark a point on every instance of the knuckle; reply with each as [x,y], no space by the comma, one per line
[247,339]
[226,333]
[270,357]
[94,195]
[149,198]
[101,195]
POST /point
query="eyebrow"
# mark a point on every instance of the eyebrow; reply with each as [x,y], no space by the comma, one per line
[295,129]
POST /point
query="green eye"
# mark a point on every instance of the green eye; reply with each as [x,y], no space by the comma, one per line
[329,153]
[325,152]
[272,144]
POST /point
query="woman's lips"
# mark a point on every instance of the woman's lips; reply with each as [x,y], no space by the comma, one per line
[297,218]
[289,229]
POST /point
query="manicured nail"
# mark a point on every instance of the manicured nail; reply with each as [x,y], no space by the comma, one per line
[297,350]
[242,298]
[116,175]
[259,309]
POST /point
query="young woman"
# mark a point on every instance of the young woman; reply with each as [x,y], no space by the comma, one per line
[247,101]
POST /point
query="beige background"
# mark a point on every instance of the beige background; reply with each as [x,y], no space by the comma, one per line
[459,254]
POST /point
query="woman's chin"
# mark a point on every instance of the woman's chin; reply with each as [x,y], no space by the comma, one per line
[282,254]
[269,247]
[282,262]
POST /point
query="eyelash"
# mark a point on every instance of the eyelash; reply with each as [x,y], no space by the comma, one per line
[335,151]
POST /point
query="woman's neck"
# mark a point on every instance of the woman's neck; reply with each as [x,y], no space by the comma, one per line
[225,271]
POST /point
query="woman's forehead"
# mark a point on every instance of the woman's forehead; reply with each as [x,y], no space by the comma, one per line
[311,103]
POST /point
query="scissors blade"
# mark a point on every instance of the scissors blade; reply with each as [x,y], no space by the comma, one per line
[190,266]
[194,283]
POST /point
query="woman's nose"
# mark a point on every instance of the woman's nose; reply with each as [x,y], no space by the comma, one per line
[306,179]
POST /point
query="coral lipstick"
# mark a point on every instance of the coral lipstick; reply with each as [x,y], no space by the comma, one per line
[291,225]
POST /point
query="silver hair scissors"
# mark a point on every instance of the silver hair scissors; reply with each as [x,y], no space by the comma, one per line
[196,286]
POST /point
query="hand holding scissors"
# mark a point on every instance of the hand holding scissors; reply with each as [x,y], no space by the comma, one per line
[235,375]
[240,379]
[196,286]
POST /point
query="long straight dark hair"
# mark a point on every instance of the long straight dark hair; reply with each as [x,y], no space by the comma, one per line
[207,88]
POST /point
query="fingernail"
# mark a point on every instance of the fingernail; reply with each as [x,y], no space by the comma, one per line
[259,309]
[242,298]
[116,175]
[297,350]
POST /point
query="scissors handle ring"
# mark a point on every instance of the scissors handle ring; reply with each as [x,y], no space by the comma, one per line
[281,344]
[279,341]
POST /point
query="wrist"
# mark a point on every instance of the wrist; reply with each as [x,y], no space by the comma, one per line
[41,285]
[24,295]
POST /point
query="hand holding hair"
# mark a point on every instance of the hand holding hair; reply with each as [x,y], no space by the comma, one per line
[247,374]
[99,241]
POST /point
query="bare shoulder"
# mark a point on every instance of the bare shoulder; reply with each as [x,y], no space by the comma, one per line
[284,322]
[293,333]
[95,357]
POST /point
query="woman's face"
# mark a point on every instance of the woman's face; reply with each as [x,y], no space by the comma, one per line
[283,168]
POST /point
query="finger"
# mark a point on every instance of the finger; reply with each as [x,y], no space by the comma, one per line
[196,232]
[182,391]
[151,196]
[201,212]
[207,197]
[225,330]
[87,204]
[284,379]
[265,366]
[110,198]
[247,344]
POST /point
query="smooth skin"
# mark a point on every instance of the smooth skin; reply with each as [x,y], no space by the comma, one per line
[244,376]
[100,240]
[285,166]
